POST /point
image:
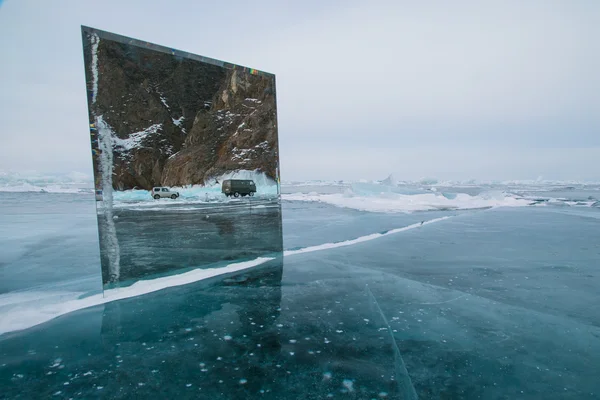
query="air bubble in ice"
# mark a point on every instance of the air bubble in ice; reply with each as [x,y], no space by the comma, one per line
[348,384]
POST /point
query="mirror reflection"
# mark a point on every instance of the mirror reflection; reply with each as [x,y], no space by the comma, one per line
[185,155]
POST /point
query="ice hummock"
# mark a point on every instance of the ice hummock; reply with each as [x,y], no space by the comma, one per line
[211,192]
[381,197]
[390,195]
[387,202]
[390,180]
[33,181]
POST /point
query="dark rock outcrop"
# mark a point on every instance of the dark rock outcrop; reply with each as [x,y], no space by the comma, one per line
[178,121]
[237,132]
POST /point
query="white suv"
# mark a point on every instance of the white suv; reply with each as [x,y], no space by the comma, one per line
[162,192]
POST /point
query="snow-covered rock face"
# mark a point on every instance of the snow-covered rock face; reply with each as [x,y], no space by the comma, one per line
[177,122]
[135,139]
[237,132]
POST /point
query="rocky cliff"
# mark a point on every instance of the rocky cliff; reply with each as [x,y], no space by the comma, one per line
[177,121]
[237,131]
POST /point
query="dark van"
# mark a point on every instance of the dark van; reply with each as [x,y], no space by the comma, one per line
[238,187]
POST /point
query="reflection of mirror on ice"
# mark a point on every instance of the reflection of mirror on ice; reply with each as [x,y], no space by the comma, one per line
[173,137]
[154,242]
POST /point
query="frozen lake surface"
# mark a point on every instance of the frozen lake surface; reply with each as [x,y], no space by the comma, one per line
[496,301]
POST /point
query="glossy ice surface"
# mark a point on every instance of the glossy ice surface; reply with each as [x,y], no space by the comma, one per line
[490,304]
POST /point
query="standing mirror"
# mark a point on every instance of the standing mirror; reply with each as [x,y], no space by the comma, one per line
[186,163]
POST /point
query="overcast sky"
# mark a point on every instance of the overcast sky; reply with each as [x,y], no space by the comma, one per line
[452,90]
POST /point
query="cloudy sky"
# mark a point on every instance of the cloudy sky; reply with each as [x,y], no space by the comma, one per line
[452,90]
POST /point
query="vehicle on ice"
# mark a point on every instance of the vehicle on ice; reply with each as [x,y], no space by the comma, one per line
[164,192]
[238,187]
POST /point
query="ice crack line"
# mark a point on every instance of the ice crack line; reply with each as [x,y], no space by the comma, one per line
[405,385]
[439,302]
[361,239]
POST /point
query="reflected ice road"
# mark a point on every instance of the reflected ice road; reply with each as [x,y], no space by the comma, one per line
[488,304]
[165,236]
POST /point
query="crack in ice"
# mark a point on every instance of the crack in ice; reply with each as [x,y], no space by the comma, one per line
[18,320]
[361,239]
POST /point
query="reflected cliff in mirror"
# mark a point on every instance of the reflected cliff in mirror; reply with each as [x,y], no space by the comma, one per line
[185,156]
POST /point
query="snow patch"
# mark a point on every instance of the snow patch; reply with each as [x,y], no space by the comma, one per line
[164,101]
[135,139]
[178,122]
